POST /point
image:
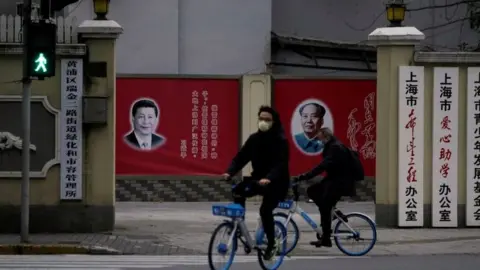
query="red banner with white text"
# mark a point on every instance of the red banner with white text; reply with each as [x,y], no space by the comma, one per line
[176,126]
[346,106]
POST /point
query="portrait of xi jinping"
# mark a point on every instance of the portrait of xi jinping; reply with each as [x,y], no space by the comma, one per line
[145,115]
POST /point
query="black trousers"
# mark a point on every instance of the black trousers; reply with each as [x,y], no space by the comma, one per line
[326,195]
[271,198]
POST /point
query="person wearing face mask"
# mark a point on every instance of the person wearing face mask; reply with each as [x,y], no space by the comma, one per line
[338,182]
[267,150]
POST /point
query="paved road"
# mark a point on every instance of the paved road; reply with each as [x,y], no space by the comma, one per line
[116,262]
[83,262]
[144,228]
[189,225]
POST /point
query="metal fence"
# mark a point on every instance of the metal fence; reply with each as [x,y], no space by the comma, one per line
[11,29]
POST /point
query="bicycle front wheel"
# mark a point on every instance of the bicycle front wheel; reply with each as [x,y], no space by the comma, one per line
[277,260]
[223,232]
[293,233]
[358,229]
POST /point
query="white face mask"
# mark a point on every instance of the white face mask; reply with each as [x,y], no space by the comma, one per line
[264,125]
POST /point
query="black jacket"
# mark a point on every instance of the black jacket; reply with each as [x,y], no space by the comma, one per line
[131,140]
[336,159]
[268,152]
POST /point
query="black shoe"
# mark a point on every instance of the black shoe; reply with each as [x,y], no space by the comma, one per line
[270,252]
[324,242]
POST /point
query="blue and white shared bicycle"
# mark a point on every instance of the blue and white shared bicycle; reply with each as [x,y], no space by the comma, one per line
[233,229]
[356,228]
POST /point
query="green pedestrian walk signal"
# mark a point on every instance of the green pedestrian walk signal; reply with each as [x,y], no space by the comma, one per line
[41,45]
[41,63]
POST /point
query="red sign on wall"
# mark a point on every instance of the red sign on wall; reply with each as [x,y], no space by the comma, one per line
[176,126]
[346,106]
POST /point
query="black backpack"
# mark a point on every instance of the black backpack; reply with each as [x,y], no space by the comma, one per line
[358,174]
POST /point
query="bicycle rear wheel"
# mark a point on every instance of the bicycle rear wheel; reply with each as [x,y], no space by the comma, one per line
[359,228]
[223,230]
[293,233]
[280,236]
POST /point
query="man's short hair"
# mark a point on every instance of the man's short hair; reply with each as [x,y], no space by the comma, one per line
[144,103]
[319,108]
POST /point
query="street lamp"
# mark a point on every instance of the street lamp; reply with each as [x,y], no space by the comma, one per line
[100,8]
[395,14]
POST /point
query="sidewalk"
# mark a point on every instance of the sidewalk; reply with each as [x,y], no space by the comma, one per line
[185,229]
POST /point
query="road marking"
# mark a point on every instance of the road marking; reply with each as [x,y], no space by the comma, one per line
[116,262]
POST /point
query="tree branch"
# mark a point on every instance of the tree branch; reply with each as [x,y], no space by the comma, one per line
[463,2]
[445,24]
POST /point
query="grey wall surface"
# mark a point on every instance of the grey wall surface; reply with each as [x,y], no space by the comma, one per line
[189,36]
[9,7]
[353,20]
[291,57]
[232,36]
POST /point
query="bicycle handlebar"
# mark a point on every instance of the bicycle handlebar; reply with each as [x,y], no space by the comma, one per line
[294,186]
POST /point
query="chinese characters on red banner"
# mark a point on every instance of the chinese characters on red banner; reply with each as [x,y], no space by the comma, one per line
[445,153]
[197,120]
[214,132]
[305,106]
[204,134]
[411,94]
[368,149]
[204,123]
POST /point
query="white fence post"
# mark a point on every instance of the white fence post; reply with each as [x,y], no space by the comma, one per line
[11,29]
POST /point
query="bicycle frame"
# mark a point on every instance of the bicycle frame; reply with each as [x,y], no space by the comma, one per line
[296,209]
[239,223]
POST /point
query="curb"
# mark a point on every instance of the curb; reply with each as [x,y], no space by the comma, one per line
[37,249]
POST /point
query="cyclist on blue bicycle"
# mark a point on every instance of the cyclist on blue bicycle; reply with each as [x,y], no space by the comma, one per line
[338,182]
[267,150]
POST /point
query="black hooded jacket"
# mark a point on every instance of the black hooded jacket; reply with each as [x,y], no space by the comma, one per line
[268,152]
[335,163]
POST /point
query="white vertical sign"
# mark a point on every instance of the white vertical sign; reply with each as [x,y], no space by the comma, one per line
[473,148]
[411,98]
[71,143]
[445,147]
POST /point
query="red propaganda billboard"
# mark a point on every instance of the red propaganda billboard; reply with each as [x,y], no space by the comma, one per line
[346,106]
[176,126]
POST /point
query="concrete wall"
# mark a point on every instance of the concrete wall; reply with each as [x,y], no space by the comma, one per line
[95,211]
[256,90]
[397,49]
[189,36]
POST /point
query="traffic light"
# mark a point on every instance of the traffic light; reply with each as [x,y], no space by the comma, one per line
[41,44]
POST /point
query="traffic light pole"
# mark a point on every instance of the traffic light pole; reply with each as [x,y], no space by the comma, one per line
[27,83]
